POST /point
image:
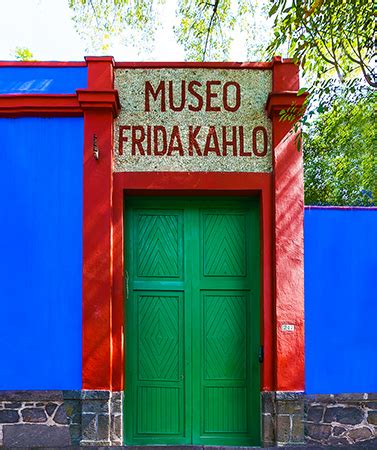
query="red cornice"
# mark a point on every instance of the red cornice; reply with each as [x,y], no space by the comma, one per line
[194,65]
[95,99]
[100,59]
[277,101]
[42,64]
[58,105]
[16,105]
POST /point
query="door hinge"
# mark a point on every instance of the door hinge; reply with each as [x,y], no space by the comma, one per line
[261,354]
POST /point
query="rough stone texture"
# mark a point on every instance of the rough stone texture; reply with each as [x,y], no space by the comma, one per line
[63,418]
[341,419]
[30,396]
[60,416]
[35,435]
[255,86]
[315,414]
[318,432]
[282,418]
[50,408]
[372,417]
[9,416]
[95,418]
[348,416]
[283,429]
[34,415]
[268,430]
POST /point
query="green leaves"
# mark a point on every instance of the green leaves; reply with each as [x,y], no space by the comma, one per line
[23,54]
[340,158]
[332,37]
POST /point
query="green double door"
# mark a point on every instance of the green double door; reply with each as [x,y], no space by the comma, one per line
[192,321]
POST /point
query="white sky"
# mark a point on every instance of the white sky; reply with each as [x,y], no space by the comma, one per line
[46,29]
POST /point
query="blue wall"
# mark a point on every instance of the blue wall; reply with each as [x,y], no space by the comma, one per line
[341,300]
[42,80]
[41,253]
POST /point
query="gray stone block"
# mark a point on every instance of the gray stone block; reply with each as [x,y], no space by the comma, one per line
[96,406]
[283,429]
[73,410]
[338,431]
[315,414]
[35,435]
[353,397]
[89,427]
[60,416]
[9,416]
[34,415]
[282,395]
[50,408]
[75,432]
[31,396]
[71,395]
[347,415]
[360,434]
[103,427]
[12,405]
[297,431]
[372,418]
[268,402]
[268,429]
[95,395]
[318,432]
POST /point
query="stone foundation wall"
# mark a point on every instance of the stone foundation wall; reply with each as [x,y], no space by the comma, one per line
[282,418]
[291,418]
[60,418]
[341,419]
[94,418]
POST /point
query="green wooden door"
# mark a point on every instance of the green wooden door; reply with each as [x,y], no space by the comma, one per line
[192,321]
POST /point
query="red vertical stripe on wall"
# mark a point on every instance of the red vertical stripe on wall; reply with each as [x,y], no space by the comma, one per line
[97,228]
[288,239]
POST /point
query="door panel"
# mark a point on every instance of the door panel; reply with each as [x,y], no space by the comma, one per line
[155,326]
[192,321]
[223,241]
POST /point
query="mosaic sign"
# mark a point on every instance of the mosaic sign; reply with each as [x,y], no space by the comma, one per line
[202,120]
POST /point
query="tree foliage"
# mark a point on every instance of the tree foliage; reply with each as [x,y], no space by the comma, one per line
[333,40]
[340,160]
[328,37]
[208,28]
[23,54]
[101,22]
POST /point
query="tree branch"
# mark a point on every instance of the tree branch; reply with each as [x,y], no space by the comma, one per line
[215,6]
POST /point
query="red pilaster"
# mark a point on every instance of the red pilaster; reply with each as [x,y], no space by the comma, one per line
[100,104]
[288,228]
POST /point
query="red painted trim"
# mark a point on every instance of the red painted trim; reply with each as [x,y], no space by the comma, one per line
[343,208]
[288,263]
[97,225]
[193,183]
[42,64]
[194,65]
[15,105]
[100,59]
[108,99]
[57,105]
[277,101]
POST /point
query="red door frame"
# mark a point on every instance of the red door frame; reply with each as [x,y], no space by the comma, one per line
[281,194]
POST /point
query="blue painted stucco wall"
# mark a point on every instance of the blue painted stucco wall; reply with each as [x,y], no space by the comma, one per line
[41,253]
[341,300]
[42,80]
[41,259]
